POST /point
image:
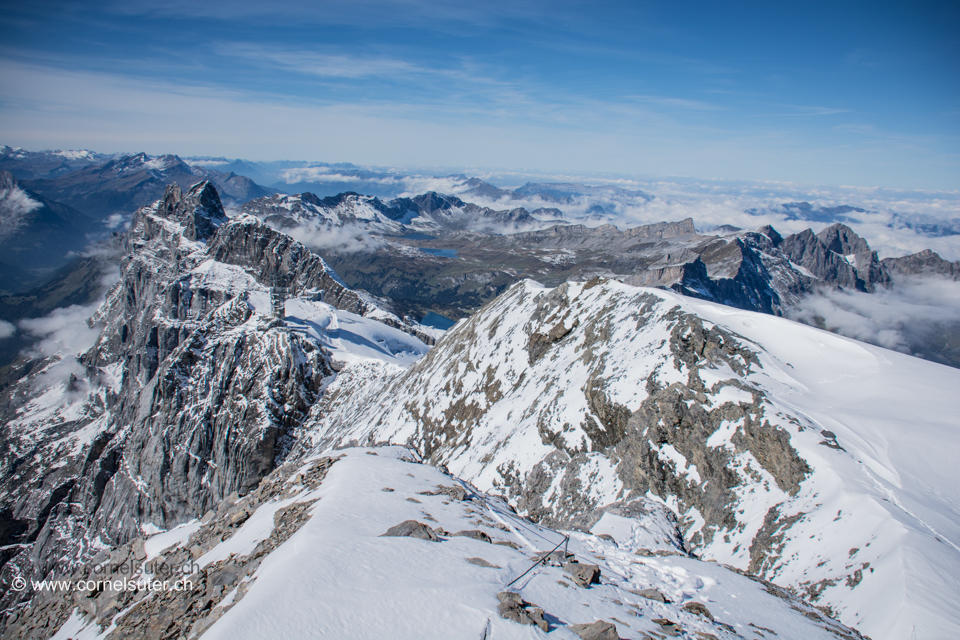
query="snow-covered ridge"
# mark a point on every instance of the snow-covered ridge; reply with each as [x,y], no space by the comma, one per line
[813,460]
[305,556]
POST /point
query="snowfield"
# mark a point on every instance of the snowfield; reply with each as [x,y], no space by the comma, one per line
[338,577]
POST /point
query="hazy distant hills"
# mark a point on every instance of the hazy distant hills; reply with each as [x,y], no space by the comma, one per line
[121,185]
[29,165]
[37,234]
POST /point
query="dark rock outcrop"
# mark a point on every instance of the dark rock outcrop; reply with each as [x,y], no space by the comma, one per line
[924,263]
[513,607]
[827,255]
[186,397]
[475,534]
[583,575]
[599,630]
[411,529]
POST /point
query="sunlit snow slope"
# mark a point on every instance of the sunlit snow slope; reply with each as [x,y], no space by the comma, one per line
[816,461]
[304,557]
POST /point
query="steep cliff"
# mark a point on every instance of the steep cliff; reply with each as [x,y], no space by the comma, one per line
[191,391]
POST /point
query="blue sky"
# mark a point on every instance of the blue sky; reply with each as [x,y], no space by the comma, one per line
[860,93]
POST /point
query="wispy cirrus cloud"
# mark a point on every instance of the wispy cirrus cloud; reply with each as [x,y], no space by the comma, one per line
[792,110]
[325,65]
[678,103]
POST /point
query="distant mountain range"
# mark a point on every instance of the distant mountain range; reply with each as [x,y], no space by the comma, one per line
[589,459]
[37,235]
[120,185]
[440,253]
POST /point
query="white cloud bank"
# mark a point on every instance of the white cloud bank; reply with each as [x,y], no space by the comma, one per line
[15,204]
[345,239]
[916,316]
[64,334]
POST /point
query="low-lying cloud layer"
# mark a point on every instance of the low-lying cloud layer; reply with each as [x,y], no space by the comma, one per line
[346,239]
[15,204]
[63,333]
[918,315]
[894,222]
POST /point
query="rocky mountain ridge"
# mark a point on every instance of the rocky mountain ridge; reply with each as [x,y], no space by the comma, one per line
[190,392]
[426,212]
[774,443]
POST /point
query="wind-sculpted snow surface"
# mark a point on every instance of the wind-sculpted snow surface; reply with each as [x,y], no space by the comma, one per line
[316,552]
[815,461]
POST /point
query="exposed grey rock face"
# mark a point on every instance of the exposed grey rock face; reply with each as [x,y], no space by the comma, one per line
[926,262]
[431,210]
[187,396]
[513,607]
[475,534]
[842,240]
[652,594]
[199,211]
[633,403]
[175,613]
[583,575]
[221,397]
[246,242]
[698,608]
[825,256]
[678,414]
[578,236]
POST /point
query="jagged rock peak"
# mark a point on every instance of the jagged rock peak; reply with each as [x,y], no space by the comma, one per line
[926,262]
[200,209]
[433,201]
[771,233]
[6,181]
[843,240]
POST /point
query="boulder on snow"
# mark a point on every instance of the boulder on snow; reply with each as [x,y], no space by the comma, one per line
[599,630]
[472,533]
[455,492]
[699,609]
[411,529]
[668,627]
[651,594]
[480,562]
[513,607]
[583,574]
